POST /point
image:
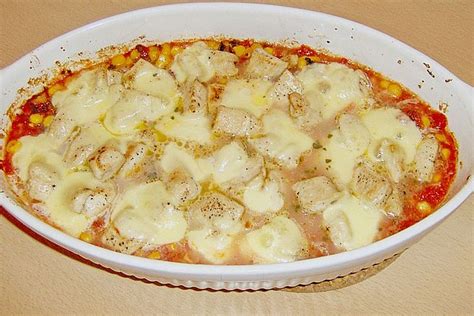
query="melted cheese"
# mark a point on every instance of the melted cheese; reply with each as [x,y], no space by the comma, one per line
[134,108]
[283,140]
[392,124]
[87,97]
[332,87]
[263,197]
[248,95]
[36,148]
[278,241]
[193,63]
[59,203]
[228,162]
[149,79]
[175,158]
[214,247]
[352,223]
[189,127]
[339,156]
[144,213]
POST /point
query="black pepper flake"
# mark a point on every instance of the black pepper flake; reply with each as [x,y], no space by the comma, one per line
[328,160]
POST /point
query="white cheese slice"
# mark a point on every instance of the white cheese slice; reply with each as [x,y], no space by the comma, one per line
[332,87]
[134,108]
[248,95]
[188,127]
[282,139]
[59,204]
[278,241]
[263,196]
[193,63]
[174,158]
[214,247]
[36,148]
[147,78]
[145,213]
[342,148]
[228,162]
[392,124]
[352,223]
[87,97]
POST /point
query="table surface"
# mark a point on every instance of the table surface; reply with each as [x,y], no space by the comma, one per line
[435,275]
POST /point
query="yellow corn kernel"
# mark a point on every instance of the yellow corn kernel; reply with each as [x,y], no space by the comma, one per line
[302,62]
[222,80]
[36,118]
[48,120]
[254,46]
[395,90]
[129,61]
[269,50]
[160,137]
[176,50]
[384,84]
[425,120]
[424,207]
[440,137]
[135,54]
[153,53]
[436,178]
[239,50]
[40,99]
[445,152]
[173,246]
[118,60]
[85,236]
[213,44]
[163,61]
[13,146]
[54,88]
[154,255]
[166,49]
[314,59]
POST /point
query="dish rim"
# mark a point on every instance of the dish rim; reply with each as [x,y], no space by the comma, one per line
[92,252]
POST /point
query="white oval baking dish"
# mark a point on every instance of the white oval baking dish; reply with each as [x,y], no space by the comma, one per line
[272,23]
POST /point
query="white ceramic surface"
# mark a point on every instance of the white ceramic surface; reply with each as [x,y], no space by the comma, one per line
[377,50]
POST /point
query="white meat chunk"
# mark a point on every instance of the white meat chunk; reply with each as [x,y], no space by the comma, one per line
[183,187]
[113,240]
[199,62]
[392,156]
[236,122]
[217,210]
[42,181]
[251,169]
[298,104]
[316,194]
[113,77]
[264,65]
[367,184]
[106,162]
[135,158]
[92,202]
[356,135]
[223,63]
[195,100]
[393,205]
[300,109]
[61,127]
[425,158]
[285,85]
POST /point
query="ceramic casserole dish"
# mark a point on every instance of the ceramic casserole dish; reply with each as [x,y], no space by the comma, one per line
[267,23]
